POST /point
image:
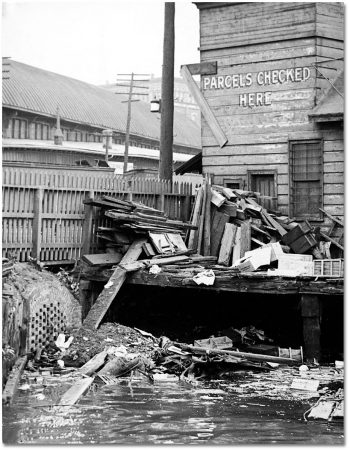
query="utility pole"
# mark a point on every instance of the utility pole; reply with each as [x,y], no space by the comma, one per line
[167,114]
[127,131]
[128,119]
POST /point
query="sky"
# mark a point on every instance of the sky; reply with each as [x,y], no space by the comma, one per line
[94,41]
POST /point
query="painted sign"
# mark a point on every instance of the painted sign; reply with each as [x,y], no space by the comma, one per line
[262,78]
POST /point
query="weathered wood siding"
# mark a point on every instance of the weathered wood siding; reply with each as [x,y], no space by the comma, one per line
[247,39]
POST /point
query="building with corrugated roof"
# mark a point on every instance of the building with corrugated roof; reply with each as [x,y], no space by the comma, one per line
[32,97]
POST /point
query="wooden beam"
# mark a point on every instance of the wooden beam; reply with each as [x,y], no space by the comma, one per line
[310,312]
[113,286]
[204,68]
[207,223]
[13,379]
[331,240]
[204,107]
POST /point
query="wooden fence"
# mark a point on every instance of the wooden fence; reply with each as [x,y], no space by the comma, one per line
[43,213]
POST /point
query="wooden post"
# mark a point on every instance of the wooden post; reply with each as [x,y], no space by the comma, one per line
[167,111]
[311,312]
[37,222]
[87,226]
[161,202]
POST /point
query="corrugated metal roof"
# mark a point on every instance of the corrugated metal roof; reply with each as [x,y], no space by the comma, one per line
[32,89]
[90,147]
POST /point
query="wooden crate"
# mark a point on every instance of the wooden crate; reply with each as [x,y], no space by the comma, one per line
[329,268]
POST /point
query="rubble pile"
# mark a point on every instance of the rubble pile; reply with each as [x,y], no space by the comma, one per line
[229,230]
[242,234]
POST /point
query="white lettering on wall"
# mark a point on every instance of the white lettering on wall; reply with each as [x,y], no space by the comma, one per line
[262,78]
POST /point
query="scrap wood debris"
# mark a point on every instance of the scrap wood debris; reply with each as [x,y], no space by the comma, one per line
[115,352]
[228,226]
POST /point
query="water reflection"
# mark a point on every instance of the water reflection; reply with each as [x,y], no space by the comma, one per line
[166,412]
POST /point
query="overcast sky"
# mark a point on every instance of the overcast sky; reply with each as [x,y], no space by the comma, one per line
[93,41]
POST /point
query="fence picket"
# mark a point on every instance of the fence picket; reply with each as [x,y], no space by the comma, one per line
[58,237]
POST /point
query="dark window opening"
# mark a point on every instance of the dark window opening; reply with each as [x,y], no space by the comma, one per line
[306,173]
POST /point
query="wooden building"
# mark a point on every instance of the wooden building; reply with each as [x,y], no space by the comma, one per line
[276,99]
[30,100]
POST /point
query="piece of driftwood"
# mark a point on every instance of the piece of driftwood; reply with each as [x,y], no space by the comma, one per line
[13,379]
[94,363]
[104,300]
[74,393]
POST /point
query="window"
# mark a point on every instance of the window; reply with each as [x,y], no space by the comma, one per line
[41,131]
[264,182]
[234,183]
[306,173]
[65,132]
[19,129]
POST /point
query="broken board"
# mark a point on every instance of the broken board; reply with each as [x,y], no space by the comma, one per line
[94,363]
[104,300]
[73,394]
[102,259]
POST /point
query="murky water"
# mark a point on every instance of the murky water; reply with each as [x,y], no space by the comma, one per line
[163,413]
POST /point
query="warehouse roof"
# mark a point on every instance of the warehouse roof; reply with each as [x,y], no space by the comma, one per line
[39,91]
[90,147]
[331,105]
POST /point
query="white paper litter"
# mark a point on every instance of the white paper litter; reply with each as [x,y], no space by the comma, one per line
[155,269]
[206,277]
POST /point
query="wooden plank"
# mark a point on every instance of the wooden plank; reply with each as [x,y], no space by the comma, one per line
[87,225]
[216,198]
[207,223]
[217,230]
[137,265]
[333,241]
[245,237]
[201,220]
[102,259]
[236,252]
[75,391]
[193,236]
[322,410]
[13,379]
[93,364]
[227,243]
[113,286]
[273,222]
[204,107]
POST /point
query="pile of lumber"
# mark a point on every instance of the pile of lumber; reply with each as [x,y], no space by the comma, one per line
[130,221]
[235,228]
